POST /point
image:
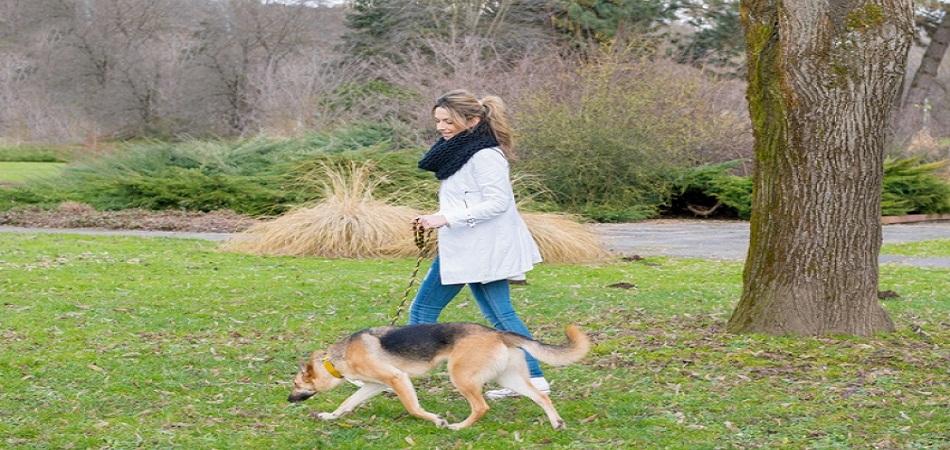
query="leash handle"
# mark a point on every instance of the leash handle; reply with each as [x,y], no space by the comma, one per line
[421,237]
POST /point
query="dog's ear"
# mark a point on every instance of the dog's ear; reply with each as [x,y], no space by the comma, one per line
[302,365]
[307,367]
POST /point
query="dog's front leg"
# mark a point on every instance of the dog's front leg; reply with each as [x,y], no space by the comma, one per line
[364,393]
[407,395]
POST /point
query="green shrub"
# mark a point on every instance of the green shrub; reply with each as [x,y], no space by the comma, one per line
[910,187]
[914,187]
[32,153]
[375,99]
[599,170]
[191,189]
[611,140]
[381,136]
[712,186]
[395,173]
[28,196]
[252,176]
[200,176]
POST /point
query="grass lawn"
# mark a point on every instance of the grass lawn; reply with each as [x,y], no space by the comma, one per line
[121,342]
[18,172]
[935,248]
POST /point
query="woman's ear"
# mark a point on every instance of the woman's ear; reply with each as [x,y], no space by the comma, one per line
[473,122]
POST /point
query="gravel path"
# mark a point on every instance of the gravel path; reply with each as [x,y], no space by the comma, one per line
[716,240]
[729,240]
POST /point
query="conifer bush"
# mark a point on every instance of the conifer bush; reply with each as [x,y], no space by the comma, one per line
[711,189]
[914,187]
[910,186]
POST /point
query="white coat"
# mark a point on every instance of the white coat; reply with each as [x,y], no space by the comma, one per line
[485,239]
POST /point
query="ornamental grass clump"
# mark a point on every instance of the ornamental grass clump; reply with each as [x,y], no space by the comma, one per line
[347,223]
[563,240]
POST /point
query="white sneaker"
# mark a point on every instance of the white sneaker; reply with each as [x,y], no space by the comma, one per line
[538,382]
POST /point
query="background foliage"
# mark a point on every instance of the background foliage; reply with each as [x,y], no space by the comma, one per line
[912,186]
[621,179]
[623,109]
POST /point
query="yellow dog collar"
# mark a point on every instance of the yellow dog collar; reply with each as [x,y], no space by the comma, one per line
[329,366]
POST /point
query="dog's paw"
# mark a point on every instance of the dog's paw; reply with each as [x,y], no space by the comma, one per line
[442,423]
[455,426]
[560,425]
[325,416]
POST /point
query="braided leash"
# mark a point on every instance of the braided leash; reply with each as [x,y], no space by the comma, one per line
[422,239]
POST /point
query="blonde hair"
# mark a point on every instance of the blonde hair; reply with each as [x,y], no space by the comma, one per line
[463,106]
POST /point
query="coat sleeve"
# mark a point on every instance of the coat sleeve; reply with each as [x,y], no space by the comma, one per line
[491,194]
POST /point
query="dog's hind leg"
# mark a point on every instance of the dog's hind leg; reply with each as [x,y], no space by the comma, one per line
[361,395]
[471,388]
[401,384]
[515,377]
[469,375]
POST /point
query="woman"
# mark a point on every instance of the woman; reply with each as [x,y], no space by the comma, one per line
[483,241]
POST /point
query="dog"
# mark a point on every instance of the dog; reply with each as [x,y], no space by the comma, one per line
[384,358]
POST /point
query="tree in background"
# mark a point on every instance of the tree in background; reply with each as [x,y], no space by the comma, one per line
[822,79]
[594,22]
[715,39]
[108,59]
[389,29]
[74,69]
[240,40]
[111,69]
[935,21]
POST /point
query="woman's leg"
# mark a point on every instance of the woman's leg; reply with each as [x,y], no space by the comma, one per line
[432,297]
[494,299]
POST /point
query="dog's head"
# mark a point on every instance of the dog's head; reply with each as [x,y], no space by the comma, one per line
[312,378]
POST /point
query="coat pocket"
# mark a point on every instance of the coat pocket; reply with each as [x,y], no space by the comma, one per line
[471,198]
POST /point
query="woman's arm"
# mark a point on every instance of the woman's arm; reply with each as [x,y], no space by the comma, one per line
[492,194]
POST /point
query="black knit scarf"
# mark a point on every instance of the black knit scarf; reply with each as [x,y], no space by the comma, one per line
[448,156]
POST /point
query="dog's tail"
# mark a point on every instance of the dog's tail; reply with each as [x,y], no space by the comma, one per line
[577,345]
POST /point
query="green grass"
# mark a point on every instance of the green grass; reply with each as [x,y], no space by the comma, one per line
[935,248]
[121,342]
[18,172]
[39,153]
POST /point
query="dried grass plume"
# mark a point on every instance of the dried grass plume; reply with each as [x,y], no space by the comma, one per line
[347,223]
[350,223]
[563,240]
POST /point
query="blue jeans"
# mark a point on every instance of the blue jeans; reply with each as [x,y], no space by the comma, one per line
[494,300]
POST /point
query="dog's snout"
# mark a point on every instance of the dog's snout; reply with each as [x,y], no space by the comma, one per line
[300,396]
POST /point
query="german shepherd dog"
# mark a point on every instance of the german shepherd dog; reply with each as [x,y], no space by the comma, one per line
[387,357]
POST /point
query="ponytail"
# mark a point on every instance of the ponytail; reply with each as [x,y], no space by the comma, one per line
[496,115]
[463,106]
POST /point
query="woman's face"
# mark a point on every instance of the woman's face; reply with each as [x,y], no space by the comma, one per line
[447,127]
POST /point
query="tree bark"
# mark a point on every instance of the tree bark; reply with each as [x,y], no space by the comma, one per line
[822,78]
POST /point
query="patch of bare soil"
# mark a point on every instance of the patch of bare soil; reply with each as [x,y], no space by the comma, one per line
[82,216]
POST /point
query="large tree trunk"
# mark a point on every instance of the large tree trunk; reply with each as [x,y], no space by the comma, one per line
[926,74]
[822,78]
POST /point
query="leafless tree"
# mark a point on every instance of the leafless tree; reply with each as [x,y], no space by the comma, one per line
[165,68]
[300,94]
[245,39]
[918,102]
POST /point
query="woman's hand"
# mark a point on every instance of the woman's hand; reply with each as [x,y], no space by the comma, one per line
[432,221]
